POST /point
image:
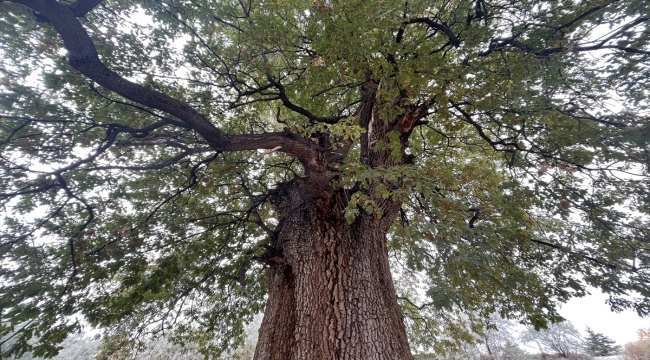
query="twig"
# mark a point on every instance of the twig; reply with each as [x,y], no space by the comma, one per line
[262,155]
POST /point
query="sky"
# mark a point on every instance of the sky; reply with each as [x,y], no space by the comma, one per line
[592,311]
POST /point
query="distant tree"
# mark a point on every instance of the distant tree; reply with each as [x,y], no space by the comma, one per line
[597,344]
[118,345]
[562,339]
[640,349]
[77,346]
[501,339]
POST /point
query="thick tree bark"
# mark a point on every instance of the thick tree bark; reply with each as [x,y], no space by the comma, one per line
[331,295]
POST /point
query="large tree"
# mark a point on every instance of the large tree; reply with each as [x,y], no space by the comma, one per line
[493,151]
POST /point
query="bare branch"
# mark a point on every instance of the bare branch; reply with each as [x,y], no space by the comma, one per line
[262,155]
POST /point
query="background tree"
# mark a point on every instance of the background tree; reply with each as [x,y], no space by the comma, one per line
[84,347]
[558,339]
[74,347]
[639,349]
[597,344]
[502,340]
[485,148]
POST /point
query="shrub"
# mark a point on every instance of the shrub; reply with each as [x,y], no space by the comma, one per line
[640,349]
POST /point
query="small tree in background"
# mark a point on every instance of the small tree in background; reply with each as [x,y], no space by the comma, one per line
[562,339]
[501,339]
[597,344]
[640,349]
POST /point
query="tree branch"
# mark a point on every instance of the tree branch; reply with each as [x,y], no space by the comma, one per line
[500,44]
[434,25]
[156,166]
[82,7]
[83,57]
[558,247]
[412,304]
[302,111]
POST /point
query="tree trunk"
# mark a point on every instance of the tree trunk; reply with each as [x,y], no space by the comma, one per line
[331,295]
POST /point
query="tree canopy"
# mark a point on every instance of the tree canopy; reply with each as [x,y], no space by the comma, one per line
[133,198]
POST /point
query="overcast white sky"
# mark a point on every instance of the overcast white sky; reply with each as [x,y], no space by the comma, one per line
[593,312]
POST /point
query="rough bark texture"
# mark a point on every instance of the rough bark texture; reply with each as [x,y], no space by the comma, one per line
[331,294]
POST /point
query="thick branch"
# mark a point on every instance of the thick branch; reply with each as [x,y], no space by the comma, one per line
[434,25]
[468,118]
[581,16]
[83,56]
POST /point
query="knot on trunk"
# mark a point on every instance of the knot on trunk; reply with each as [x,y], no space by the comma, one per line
[272,256]
[285,198]
[314,191]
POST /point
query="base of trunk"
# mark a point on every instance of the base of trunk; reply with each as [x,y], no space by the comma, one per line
[331,294]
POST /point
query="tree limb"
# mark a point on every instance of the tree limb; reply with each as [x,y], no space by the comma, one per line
[434,25]
[83,57]
[558,247]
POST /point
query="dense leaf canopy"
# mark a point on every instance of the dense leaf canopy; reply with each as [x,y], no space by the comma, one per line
[146,214]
